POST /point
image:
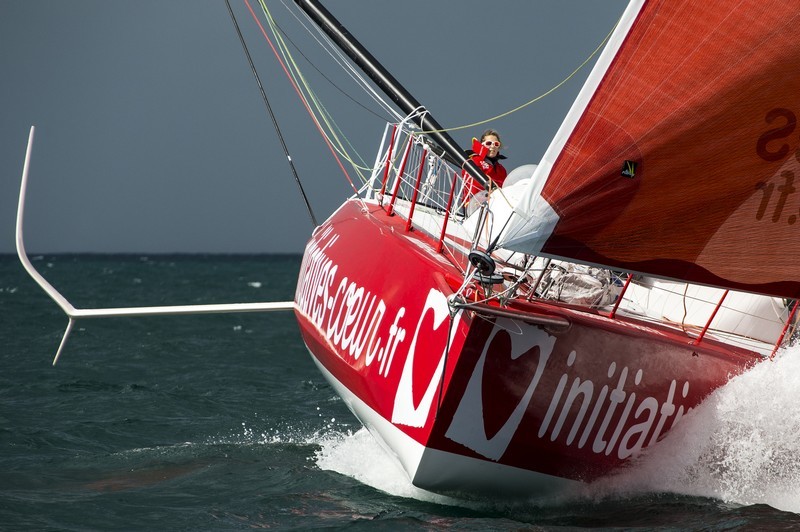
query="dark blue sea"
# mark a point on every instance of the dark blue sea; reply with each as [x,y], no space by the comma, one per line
[224,423]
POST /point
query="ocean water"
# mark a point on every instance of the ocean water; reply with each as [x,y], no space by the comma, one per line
[224,423]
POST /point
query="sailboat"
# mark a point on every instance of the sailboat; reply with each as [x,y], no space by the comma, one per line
[571,320]
[549,333]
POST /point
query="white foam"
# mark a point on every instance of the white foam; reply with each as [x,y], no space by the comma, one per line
[359,456]
[742,445]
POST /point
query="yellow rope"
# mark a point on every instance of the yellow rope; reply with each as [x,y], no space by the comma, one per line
[556,87]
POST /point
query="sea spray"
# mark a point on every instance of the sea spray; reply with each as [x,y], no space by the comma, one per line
[741,445]
[358,455]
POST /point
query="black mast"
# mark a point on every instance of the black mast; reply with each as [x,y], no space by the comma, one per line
[388,84]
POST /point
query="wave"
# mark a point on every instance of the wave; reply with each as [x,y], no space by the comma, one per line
[741,445]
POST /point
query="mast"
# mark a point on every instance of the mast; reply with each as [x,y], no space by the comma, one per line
[389,85]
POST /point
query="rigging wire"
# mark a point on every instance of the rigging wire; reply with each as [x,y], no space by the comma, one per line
[272,115]
[329,80]
[340,58]
[293,70]
[345,66]
[302,97]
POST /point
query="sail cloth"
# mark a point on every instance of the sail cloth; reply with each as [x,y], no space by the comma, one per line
[681,155]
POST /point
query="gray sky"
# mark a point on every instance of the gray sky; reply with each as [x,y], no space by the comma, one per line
[151,135]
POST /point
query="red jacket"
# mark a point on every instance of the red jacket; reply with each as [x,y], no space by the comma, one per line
[492,167]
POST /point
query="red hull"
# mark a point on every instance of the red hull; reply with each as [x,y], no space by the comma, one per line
[494,393]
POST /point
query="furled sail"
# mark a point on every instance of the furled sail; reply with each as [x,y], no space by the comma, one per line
[679,157]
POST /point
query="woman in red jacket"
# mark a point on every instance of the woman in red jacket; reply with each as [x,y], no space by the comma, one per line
[486,154]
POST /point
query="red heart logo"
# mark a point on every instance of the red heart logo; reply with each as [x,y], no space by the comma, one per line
[434,342]
[504,381]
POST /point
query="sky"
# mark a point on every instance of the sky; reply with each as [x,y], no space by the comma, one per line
[152,136]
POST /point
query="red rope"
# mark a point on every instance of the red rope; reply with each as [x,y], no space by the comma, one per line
[302,97]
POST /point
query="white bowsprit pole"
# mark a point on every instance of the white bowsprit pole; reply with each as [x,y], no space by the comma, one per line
[74,314]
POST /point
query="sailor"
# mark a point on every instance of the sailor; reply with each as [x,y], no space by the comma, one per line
[486,154]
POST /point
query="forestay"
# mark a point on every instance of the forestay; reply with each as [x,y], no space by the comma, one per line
[679,157]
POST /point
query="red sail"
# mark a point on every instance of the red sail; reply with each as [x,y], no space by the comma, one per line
[700,104]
